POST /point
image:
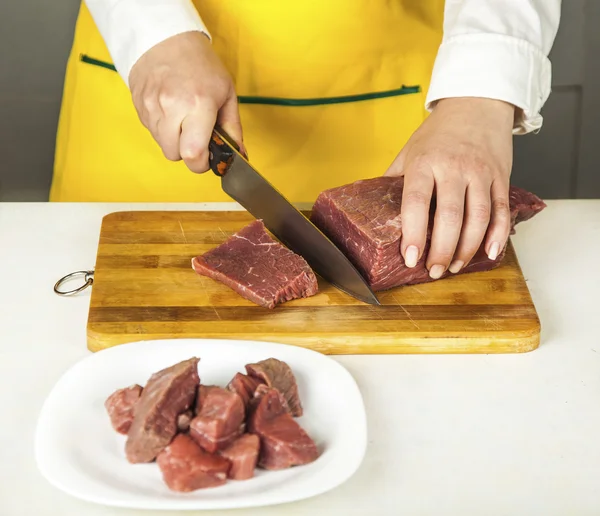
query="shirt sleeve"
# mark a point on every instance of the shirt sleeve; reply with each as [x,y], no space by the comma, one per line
[497,49]
[131,27]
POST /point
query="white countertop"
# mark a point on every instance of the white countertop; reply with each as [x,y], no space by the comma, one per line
[448,435]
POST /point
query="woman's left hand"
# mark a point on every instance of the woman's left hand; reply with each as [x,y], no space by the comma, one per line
[462,152]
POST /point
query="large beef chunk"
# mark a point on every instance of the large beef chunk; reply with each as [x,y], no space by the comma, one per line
[363,219]
[278,374]
[220,418]
[120,405]
[523,205]
[244,386]
[258,268]
[243,456]
[186,467]
[283,442]
[167,394]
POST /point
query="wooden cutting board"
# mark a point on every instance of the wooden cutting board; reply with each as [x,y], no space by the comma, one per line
[144,288]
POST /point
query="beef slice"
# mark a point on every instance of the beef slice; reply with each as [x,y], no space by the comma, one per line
[363,220]
[243,456]
[220,419]
[167,394]
[120,407]
[277,374]
[186,467]
[283,442]
[258,268]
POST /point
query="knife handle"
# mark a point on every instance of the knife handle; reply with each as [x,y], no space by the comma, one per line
[220,152]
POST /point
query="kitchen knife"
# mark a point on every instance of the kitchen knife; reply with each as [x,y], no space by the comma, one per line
[245,185]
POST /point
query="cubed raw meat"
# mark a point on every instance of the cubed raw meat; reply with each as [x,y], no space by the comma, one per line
[184,420]
[220,419]
[277,374]
[186,467]
[243,456]
[283,442]
[244,386]
[120,405]
[167,394]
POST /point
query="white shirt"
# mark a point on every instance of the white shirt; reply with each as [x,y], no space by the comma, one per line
[491,48]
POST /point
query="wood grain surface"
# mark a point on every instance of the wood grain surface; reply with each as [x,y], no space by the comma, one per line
[144,288]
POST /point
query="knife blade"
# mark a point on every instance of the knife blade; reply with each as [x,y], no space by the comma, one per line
[251,190]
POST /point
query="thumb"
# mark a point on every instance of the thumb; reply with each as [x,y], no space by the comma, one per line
[229,119]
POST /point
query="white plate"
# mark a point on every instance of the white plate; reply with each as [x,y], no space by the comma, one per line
[78,451]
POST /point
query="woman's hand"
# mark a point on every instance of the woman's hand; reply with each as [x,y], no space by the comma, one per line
[463,152]
[180,89]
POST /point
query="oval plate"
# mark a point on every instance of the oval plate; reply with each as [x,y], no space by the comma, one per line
[78,452]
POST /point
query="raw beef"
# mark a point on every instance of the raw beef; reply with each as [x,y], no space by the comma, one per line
[220,419]
[283,442]
[244,386]
[167,394]
[243,456]
[203,391]
[184,420]
[261,390]
[363,220]
[197,433]
[258,268]
[277,374]
[120,405]
[523,205]
[186,467]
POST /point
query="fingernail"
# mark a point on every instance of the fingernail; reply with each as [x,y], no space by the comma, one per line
[412,256]
[436,271]
[494,250]
[456,266]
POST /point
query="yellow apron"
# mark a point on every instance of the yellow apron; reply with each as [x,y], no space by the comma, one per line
[330,90]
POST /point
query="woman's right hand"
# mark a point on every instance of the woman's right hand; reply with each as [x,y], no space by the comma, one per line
[180,90]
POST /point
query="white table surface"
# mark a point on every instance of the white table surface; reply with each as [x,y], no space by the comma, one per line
[448,435]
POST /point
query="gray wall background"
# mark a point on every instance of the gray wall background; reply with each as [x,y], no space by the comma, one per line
[562,161]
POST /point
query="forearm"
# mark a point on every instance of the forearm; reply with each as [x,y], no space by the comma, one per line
[499,50]
[131,27]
